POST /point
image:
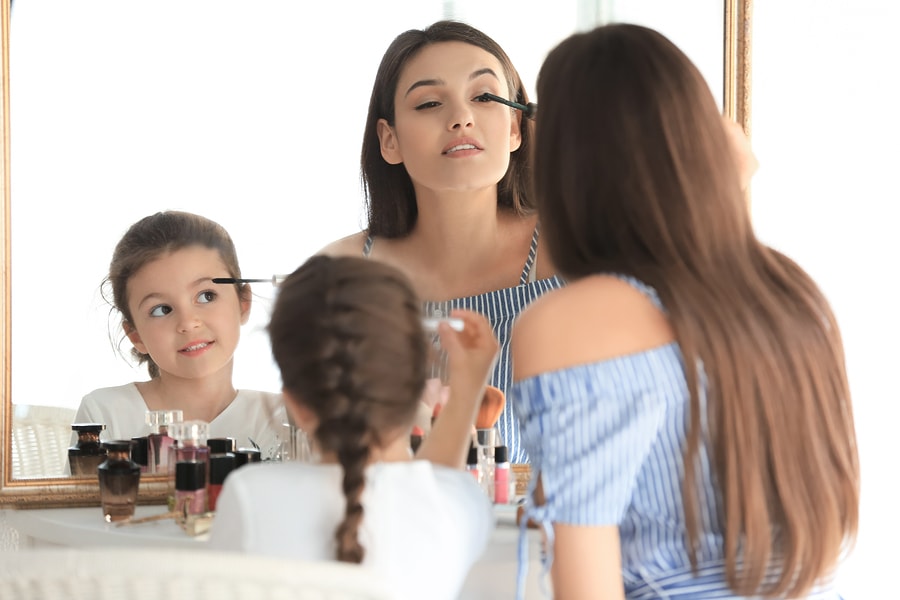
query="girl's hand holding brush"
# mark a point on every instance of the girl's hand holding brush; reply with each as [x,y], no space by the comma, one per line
[471,353]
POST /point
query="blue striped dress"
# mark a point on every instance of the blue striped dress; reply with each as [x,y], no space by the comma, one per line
[501,307]
[607,439]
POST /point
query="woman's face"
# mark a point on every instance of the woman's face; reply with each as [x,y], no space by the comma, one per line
[447,138]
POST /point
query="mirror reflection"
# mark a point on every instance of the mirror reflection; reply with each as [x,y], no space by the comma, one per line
[252,118]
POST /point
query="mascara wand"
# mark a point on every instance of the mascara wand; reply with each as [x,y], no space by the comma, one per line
[274,280]
[529,110]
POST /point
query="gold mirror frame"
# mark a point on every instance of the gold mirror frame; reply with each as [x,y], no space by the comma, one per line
[62,492]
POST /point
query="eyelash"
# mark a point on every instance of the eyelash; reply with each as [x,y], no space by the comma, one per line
[434,103]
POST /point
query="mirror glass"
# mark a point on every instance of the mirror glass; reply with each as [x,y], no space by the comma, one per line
[250,114]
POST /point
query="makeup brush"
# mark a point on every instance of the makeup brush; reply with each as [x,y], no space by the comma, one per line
[492,404]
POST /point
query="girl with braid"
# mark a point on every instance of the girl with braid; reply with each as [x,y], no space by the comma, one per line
[348,338]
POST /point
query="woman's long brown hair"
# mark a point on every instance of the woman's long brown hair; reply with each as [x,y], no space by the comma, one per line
[634,175]
[347,336]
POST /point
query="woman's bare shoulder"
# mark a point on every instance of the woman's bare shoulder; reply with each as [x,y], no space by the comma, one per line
[351,245]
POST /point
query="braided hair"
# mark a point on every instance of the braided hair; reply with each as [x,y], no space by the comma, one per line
[346,334]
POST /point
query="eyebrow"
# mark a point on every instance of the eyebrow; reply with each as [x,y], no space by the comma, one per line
[426,82]
[194,283]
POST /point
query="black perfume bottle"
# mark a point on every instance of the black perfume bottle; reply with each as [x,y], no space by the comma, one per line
[87,453]
[119,478]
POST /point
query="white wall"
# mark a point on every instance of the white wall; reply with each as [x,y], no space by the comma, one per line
[825,130]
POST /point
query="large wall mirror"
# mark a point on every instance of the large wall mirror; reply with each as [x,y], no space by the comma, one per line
[248,113]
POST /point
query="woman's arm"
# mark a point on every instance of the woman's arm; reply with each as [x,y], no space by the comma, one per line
[587,563]
[472,353]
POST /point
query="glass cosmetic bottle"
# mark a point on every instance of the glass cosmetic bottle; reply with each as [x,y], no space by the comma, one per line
[119,478]
[190,489]
[87,453]
[189,445]
[501,475]
[160,439]
[472,466]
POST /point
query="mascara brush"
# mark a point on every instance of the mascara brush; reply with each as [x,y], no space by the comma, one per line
[529,110]
[275,280]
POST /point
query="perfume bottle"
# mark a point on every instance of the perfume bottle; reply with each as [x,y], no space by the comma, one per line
[160,440]
[221,445]
[220,465]
[189,444]
[119,478]
[472,465]
[87,453]
[190,489]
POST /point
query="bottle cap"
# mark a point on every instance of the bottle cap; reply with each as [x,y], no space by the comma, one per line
[190,475]
[242,456]
[501,454]
[162,418]
[140,450]
[472,459]
[220,465]
[196,432]
[221,445]
[88,427]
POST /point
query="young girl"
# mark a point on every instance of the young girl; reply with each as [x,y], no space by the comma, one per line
[186,329]
[447,180]
[348,338]
[684,398]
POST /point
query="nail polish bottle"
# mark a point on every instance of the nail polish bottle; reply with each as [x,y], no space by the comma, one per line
[87,453]
[140,452]
[220,465]
[190,489]
[119,478]
[160,440]
[501,475]
[472,465]
[189,444]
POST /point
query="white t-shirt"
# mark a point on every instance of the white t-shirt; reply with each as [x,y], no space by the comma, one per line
[252,415]
[423,525]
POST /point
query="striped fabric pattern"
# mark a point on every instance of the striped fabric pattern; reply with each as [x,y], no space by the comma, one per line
[501,307]
[607,439]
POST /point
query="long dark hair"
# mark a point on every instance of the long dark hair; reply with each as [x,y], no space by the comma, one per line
[634,175]
[347,336]
[390,197]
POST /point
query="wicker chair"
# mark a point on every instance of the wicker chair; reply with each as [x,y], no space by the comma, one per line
[41,436]
[98,573]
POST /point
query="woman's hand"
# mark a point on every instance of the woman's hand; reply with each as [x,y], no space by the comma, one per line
[746,161]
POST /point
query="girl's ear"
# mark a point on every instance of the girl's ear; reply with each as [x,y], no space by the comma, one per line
[246,298]
[134,337]
[390,150]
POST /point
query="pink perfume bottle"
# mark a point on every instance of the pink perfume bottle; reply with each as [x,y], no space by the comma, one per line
[119,478]
[189,445]
[501,475]
[87,453]
[160,439]
[220,465]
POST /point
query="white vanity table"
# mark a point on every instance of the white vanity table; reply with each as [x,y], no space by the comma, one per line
[493,576]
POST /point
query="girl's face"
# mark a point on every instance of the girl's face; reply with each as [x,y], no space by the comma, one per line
[447,139]
[188,325]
